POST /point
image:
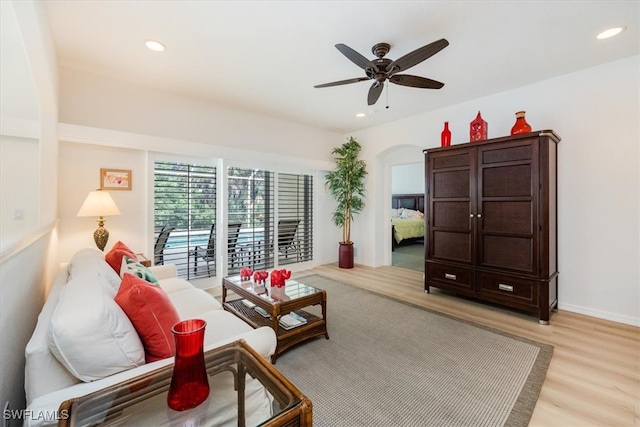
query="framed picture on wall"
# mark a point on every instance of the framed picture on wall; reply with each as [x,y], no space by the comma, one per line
[115,179]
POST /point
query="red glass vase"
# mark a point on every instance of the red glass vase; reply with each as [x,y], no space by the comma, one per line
[189,383]
[445,136]
[521,125]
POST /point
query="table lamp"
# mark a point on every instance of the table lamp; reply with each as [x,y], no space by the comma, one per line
[99,203]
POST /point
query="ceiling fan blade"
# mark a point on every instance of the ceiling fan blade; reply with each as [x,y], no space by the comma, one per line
[415,81]
[343,82]
[356,58]
[417,56]
[374,92]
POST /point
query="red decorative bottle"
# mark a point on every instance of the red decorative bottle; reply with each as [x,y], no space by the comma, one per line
[521,125]
[189,383]
[478,129]
[445,136]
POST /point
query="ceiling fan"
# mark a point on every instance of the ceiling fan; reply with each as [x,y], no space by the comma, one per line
[382,69]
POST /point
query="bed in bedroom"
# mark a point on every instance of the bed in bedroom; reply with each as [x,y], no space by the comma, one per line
[407,219]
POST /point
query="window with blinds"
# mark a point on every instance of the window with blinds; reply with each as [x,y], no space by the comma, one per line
[295,218]
[250,219]
[184,218]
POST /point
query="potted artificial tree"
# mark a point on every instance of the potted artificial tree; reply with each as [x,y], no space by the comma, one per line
[346,185]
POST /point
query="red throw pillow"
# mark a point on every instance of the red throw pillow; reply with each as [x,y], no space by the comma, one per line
[152,315]
[114,256]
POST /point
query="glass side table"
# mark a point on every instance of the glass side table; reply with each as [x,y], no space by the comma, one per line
[239,378]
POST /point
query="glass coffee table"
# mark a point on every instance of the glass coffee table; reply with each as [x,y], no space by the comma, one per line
[261,305]
[238,377]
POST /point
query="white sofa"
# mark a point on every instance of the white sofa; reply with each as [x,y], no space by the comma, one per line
[85,288]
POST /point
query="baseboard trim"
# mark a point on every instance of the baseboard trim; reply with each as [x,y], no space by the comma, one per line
[627,320]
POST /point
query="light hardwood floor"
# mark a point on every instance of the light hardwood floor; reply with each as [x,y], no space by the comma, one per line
[594,375]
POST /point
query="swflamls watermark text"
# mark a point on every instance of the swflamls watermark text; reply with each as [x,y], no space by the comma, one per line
[27,414]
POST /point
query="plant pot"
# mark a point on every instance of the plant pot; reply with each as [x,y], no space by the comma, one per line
[345,255]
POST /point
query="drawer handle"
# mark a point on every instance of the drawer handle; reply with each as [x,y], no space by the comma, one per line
[503,287]
[450,276]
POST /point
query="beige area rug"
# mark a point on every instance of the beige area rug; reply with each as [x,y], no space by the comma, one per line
[388,363]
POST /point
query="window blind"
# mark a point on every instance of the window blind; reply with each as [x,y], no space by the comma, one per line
[185,205]
[250,219]
[295,218]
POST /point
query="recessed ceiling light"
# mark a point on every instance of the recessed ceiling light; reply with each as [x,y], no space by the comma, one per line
[154,45]
[360,115]
[611,32]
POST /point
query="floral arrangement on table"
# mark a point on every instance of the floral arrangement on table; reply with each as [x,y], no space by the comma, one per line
[245,273]
[259,277]
[278,277]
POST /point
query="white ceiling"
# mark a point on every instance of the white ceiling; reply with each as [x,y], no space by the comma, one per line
[266,56]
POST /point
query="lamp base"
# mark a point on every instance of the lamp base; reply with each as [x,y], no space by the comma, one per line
[100,236]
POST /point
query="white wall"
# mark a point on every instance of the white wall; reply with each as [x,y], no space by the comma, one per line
[19,186]
[407,179]
[596,112]
[93,101]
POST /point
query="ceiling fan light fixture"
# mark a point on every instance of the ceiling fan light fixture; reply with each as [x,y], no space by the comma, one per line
[611,32]
[154,45]
[382,69]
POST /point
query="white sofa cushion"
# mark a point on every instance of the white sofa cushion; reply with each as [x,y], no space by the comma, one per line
[173,284]
[90,262]
[43,372]
[191,303]
[90,334]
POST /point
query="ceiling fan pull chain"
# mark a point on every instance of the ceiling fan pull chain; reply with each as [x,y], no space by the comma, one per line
[387,97]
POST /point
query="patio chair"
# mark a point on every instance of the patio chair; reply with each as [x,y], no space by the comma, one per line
[287,242]
[209,254]
[161,243]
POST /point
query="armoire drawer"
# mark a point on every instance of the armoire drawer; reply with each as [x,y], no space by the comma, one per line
[448,277]
[505,288]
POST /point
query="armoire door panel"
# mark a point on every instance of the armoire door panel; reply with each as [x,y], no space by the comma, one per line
[507,217]
[451,184]
[514,253]
[506,154]
[451,215]
[452,161]
[507,181]
[451,246]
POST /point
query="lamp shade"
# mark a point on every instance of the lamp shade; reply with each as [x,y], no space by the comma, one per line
[98,203]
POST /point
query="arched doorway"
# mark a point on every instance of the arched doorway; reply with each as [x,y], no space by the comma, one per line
[405,163]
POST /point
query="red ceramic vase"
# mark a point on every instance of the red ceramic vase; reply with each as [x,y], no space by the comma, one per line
[521,125]
[445,136]
[189,383]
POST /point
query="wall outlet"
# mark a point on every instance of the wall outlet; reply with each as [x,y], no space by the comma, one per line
[18,214]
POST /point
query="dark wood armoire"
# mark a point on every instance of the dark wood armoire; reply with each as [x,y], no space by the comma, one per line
[491,213]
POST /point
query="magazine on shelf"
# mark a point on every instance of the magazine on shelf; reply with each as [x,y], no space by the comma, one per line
[261,311]
[292,320]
